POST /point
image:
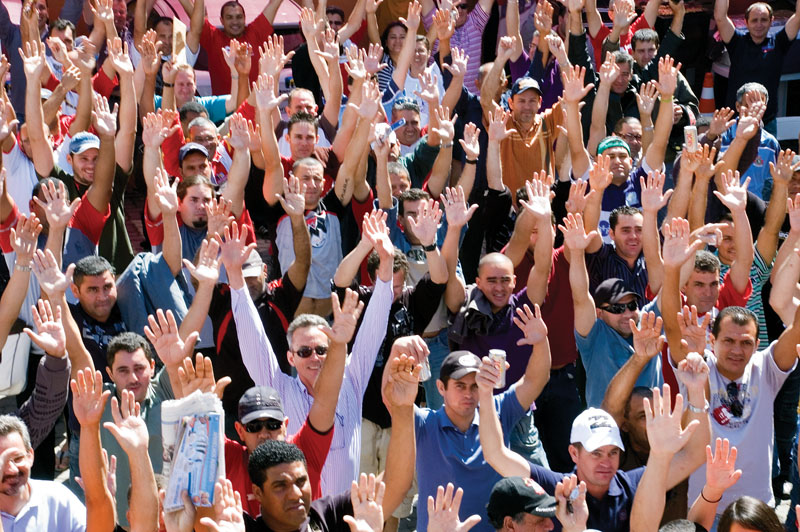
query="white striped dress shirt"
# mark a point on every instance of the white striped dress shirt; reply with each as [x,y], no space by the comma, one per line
[342,464]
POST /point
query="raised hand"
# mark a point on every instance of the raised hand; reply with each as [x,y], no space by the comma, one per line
[456,208]
[651,196]
[691,330]
[446,129]
[71,78]
[235,248]
[355,62]
[677,249]
[371,6]
[443,21]
[110,466]
[402,380]
[733,195]
[118,55]
[646,98]
[272,58]
[229,55]
[538,202]
[85,56]
[443,512]
[166,194]
[624,15]
[370,100]
[293,199]
[243,62]
[556,45]
[51,280]
[228,509]
[239,136]
[600,175]
[505,48]
[572,519]
[7,124]
[721,122]
[207,269]
[264,89]
[59,51]
[104,119]
[33,60]
[782,173]
[428,88]
[162,332]
[647,338]
[200,376]
[576,201]
[667,76]
[179,520]
[793,208]
[128,428]
[575,237]
[219,215]
[531,324]
[458,66]
[497,127]
[88,397]
[574,90]
[103,11]
[374,230]
[750,120]
[609,70]
[366,495]
[470,143]
[57,208]
[374,57]
[24,238]
[543,18]
[693,372]
[151,55]
[427,222]
[156,128]
[330,47]
[664,430]
[721,472]
[413,17]
[50,335]
[345,317]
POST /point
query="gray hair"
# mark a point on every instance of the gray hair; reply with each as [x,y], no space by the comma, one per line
[623,57]
[10,424]
[301,322]
[751,86]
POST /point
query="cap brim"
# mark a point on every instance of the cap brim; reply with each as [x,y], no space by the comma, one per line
[595,441]
[85,147]
[261,414]
[545,508]
[252,271]
[457,374]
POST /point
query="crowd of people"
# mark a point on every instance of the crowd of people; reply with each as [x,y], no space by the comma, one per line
[505,295]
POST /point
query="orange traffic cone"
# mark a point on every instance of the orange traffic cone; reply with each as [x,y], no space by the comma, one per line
[707,105]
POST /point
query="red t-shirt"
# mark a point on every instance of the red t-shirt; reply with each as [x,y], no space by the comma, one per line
[624,40]
[213,40]
[315,447]
[557,310]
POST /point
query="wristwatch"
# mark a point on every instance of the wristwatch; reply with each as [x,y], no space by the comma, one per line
[696,410]
[432,247]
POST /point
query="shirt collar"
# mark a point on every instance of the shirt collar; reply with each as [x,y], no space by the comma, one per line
[445,422]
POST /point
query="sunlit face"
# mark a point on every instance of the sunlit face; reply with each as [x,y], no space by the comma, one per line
[83,165]
[420,59]
[252,440]
[205,135]
[627,235]
[185,88]
[400,183]
[18,466]
[41,11]
[97,295]
[132,372]
[727,247]
[702,290]
[496,280]
[302,101]
[460,396]
[307,368]
[394,40]
[758,23]
[620,322]
[632,134]
[410,132]
[524,106]
[621,83]
[635,423]
[598,467]
[192,208]
[644,52]
[621,164]
[164,36]
[285,496]
[120,8]
[233,22]
[302,140]
[66,37]
[734,345]
[312,176]
[335,21]
[195,163]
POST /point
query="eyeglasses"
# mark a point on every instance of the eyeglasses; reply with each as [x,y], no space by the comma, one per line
[630,136]
[736,406]
[305,351]
[258,425]
[619,308]
[337,23]
[462,7]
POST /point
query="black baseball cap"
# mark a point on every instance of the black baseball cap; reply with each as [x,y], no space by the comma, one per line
[612,291]
[523,84]
[260,402]
[459,363]
[190,147]
[513,495]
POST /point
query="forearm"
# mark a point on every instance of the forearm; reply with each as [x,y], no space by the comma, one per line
[580,157]
[335,88]
[440,172]
[502,459]
[455,291]
[650,499]
[99,193]
[198,311]
[697,203]
[83,113]
[467,179]
[670,308]
[53,104]
[147,100]
[678,205]
[273,175]
[257,354]
[171,247]
[400,457]
[743,240]
[651,246]
[48,399]
[542,262]
[518,243]
[326,388]
[42,155]
[237,180]
[658,147]
[599,113]
[767,241]
[350,265]
[619,389]
[373,32]
[99,501]
[144,493]
[12,299]
[344,178]
[126,135]
[494,165]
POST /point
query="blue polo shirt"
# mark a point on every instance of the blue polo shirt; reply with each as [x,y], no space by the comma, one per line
[603,352]
[612,513]
[758,171]
[445,454]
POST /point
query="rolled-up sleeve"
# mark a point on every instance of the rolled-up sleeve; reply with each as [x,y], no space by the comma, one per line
[370,335]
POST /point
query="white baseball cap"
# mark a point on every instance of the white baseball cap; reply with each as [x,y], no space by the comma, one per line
[594,428]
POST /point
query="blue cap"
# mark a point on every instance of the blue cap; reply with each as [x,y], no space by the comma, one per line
[523,84]
[190,147]
[83,141]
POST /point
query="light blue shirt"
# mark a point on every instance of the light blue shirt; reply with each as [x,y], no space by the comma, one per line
[52,506]
[758,172]
[215,105]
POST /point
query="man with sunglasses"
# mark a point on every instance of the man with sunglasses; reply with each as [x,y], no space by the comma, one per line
[261,418]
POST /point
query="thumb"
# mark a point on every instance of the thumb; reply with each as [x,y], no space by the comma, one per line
[471,522]
[221,385]
[212,525]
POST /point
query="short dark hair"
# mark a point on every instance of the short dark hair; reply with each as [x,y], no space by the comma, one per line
[308,161]
[399,263]
[302,116]
[644,35]
[62,24]
[761,4]
[91,265]
[127,341]
[621,56]
[630,120]
[158,20]
[625,210]
[705,261]
[333,10]
[187,182]
[638,391]
[749,512]
[42,182]
[412,194]
[271,453]
[739,316]
[229,3]
[191,107]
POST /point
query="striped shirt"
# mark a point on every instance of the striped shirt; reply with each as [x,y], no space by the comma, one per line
[342,465]
[607,264]
[759,275]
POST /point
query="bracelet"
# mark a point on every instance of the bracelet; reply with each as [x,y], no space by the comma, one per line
[470,161]
[665,99]
[648,128]
[710,502]
[22,268]
[165,84]
[432,247]
[696,410]
[234,77]
[445,146]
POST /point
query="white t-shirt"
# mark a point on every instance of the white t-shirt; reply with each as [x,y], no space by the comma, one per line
[52,507]
[20,177]
[753,433]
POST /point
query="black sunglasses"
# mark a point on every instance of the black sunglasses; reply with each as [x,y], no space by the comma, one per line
[305,351]
[258,425]
[463,7]
[619,308]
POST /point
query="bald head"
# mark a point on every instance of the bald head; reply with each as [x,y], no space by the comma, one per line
[495,259]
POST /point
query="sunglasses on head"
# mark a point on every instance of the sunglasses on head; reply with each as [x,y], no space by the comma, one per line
[305,351]
[619,308]
[258,425]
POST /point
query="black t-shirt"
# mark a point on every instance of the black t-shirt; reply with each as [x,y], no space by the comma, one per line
[276,307]
[325,515]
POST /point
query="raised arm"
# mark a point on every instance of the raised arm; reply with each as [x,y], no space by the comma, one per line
[512,28]
[767,241]
[599,179]
[266,102]
[786,270]
[206,273]
[196,22]
[734,196]
[411,22]
[721,474]
[724,22]
[667,82]
[425,227]
[85,62]
[537,372]
[167,197]
[33,57]
[576,241]
[652,201]
[538,206]
[370,102]
[239,140]
[793,24]
[162,332]
[492,80]
[609,72]
[785,352]
[574,92]
[105,124]
[126,135]
[646,102]
[458,212]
